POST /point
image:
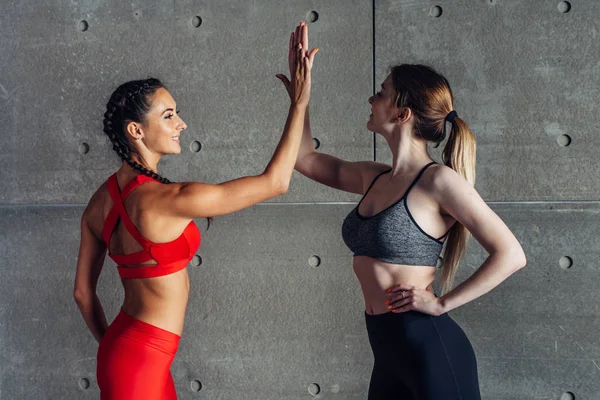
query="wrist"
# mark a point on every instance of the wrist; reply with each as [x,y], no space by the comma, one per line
[299,105]
[443,305]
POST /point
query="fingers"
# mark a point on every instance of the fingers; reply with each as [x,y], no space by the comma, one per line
[403,309]
[299,60]
[304,32]
[400,297]
[311,57]
[304,67]
[297,36]
[286,82]
[399,303]
[400,287]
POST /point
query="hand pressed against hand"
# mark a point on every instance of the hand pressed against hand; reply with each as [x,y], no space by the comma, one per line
[299,58]
[402,298]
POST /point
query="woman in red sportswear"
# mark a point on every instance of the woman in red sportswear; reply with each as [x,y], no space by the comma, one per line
[145,223]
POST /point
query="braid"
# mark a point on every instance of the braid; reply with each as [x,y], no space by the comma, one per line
[139,167]
[130,98]
[131,102]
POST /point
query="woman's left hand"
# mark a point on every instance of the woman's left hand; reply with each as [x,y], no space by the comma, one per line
[402,298]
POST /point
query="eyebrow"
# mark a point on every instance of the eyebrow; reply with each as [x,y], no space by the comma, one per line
[168,109]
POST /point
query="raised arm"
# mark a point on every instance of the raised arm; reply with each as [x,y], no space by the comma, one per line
[196,200]
[348,176]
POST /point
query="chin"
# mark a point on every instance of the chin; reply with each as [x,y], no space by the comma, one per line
[172,151]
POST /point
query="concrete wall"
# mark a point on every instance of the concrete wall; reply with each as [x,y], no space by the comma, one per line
[263,322]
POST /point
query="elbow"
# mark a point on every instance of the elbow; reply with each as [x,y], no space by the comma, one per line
[278,184]
[281,187]
[82,296]
[518,259]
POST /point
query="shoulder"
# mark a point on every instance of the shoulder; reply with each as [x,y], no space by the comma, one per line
[93,216]
[440,179]
[96,202]
[370,170]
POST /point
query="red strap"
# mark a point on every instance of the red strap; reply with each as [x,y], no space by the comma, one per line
[151,271]
[134,183]
[115,194]
[132,259]
[109,225]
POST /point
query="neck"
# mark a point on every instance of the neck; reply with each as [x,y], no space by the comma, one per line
[148,161]
[408,152]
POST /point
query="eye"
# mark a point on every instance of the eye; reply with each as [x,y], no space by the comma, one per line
[169,116]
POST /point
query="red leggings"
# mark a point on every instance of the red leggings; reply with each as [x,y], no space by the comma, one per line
[134,361]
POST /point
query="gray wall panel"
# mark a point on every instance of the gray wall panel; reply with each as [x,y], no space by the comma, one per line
[263,323]
[522,73]
[222,75]
[535,335]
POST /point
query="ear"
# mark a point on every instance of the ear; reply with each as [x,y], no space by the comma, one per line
[403,115]
[134,130]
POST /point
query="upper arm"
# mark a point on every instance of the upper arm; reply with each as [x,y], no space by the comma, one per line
[92,252]
[460,200]
[198,200]
[353,177]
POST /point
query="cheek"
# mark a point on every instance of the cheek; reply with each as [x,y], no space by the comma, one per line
[165,129]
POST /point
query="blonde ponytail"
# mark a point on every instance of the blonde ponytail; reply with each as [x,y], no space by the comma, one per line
[458,154]
[427,93]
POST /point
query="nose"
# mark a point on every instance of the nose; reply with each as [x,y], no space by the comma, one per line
[371,99]
[182,125]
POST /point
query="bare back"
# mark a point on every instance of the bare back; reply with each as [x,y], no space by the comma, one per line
[160,301]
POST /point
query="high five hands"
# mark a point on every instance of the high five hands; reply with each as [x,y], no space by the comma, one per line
[300,62]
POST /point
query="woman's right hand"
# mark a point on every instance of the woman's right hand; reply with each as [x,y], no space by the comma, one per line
[300,62]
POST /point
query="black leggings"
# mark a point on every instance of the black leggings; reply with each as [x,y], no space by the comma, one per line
[420,357]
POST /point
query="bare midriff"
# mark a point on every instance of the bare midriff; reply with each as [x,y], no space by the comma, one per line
[159,301]
[376,277]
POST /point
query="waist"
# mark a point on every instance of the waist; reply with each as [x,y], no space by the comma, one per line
[376,277]
[128,327]
[158,301]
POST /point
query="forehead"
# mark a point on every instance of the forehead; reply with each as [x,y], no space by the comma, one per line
[162,99]
[388,83]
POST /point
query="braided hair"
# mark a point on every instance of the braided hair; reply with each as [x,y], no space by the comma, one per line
[130,103]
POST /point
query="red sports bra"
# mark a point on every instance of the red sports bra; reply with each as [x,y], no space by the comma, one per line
[170,257]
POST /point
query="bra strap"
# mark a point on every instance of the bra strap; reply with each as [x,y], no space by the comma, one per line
[134,183]
[414,182]
[115,194]
[375,180]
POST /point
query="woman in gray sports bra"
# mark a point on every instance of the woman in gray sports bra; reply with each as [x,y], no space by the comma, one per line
[409,212]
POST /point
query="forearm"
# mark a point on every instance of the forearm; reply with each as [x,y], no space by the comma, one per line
[93,314]
[307,146]
[496,268]
[282,163]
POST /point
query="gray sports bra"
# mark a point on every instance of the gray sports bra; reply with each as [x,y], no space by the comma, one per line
[391,235]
